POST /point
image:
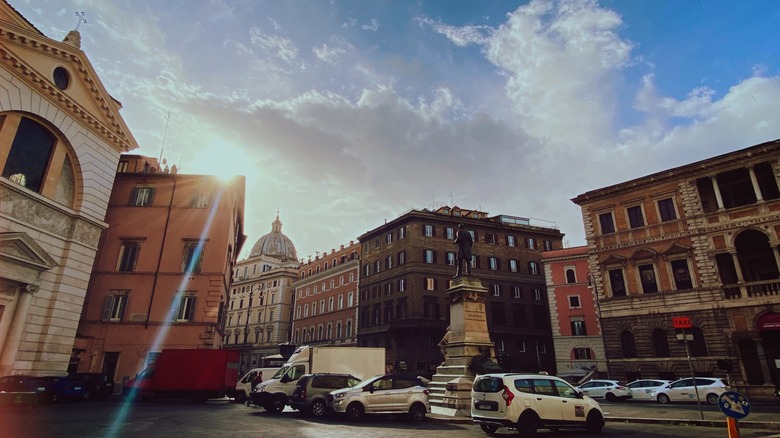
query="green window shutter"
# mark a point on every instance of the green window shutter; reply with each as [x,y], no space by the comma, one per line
[107,308]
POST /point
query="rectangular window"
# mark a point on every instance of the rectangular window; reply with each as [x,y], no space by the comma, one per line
[142,196]
[578,326]
[401,233]
[450,233]
[537,294]
[533,268]
[401,258]
[122,167]
[366,270]
[617,283]
[450,258]
[200,199]
[513,266]
[128,256]
[114,307]
[517,291]
[607,223]
[430,284]
[389,238]
[647,278]
[493,263]
[574,302]
[511,241]
[635,217]
[531,243]
[388,289]
[666,210]
[401,285]
[377,266]
[490,238]
[582,353]
[430,256]
[184,306]
[496,288]
[389,262]
[428,230]
[682,276]
[548,245]
[192,257]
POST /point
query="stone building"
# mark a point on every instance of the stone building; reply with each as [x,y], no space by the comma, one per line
[163,270]
[326,298]
[260,308]
[407,265]
[60,140]
[696,245]
[576,332]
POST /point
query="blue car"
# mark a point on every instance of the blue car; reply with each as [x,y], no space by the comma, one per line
[61,388]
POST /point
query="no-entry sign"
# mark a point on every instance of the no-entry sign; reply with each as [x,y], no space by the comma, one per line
[682,322]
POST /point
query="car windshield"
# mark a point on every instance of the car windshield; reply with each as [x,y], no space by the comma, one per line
[281,372]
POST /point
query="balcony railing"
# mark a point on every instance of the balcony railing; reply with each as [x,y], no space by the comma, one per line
[753,289]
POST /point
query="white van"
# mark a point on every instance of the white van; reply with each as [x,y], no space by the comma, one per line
[244,385]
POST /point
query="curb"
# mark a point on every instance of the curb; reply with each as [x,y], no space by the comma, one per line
[767,425]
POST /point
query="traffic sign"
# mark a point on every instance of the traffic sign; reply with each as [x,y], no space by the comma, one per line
[734,405]
[682,322]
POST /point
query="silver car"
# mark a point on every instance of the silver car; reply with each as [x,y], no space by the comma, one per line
[388,394]
[642,390]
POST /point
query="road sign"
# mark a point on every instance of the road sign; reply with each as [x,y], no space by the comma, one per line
[734,405]
[682,322]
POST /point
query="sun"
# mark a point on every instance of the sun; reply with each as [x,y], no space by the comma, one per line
[221,159]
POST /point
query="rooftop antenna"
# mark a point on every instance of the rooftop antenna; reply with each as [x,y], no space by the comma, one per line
[81,19]
[165,135]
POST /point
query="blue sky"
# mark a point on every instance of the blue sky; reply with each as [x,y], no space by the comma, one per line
[344,114]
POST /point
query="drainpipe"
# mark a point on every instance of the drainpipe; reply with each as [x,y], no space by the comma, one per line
[159,258]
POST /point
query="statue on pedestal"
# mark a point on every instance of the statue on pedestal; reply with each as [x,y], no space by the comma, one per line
[464,241]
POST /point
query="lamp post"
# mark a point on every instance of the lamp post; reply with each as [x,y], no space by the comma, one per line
[246,361]
[592,285]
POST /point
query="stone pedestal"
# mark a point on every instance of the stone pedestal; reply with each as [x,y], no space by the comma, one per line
[468,337]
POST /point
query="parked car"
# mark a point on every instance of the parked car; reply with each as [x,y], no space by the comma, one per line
[709,389]
[311,392]
[61,388]
[609,390]
[388,394]
[528,402]
[246,384]
[99,386]
[643,389]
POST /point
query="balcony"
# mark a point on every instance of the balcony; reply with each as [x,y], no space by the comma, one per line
[753,289]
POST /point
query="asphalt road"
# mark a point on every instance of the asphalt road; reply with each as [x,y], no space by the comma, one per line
[214,419]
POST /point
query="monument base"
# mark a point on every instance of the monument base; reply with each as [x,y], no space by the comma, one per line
[450,388]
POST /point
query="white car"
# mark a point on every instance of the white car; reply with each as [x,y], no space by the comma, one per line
[643,389]
[709,389]
[528,402]
[609,390]
[388,394]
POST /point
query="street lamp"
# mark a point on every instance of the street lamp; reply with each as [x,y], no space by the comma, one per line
[246,326]
[592,285]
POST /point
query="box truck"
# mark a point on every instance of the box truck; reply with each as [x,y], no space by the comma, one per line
[362,362]
[194,375]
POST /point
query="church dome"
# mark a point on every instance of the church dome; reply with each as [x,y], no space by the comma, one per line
[275,244]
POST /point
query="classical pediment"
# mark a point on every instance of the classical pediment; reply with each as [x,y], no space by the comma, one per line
[643,254]
[21,249]
[613,259]
[676,248]
[33,58]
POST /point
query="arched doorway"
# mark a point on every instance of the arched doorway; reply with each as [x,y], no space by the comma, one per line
[768,326]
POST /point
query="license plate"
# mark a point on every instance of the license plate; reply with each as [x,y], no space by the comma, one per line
[484,407]
[78,388]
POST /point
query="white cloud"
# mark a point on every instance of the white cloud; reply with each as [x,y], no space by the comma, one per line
[331,53]
[283,47]
[372,25]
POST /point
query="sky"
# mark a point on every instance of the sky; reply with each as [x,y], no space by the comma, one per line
[345,114]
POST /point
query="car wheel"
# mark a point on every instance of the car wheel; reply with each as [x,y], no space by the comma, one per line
[595,422]
[276,405]
[713,398]
[317,408]
[528,425]
[89,395]
[663,398]
[610,397]
[489,429]
[417,412]
[355,411]
[240,397]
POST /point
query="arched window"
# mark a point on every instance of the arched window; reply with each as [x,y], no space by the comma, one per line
[30,152]
[661,343]
[628,344]
[698,345]
[349,328]
[338,330]
[570,276]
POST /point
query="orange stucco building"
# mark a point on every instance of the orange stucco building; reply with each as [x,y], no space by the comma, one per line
[163,270]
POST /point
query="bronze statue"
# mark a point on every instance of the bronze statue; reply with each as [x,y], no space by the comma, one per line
[464,241]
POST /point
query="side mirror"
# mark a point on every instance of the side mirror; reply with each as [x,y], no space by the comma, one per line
[370,388]
[579,394]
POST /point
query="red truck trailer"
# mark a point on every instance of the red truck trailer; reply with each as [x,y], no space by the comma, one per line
[194,375]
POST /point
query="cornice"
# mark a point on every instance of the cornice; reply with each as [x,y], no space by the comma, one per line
[115,133]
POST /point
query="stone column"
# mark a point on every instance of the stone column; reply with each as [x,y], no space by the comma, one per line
[718,198]
[754,182]
[468,337]
[18,320]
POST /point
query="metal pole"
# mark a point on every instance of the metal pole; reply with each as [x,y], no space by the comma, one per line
[592,282]
[690,365]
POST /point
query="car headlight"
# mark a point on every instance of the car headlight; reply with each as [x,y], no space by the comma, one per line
[340,395]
